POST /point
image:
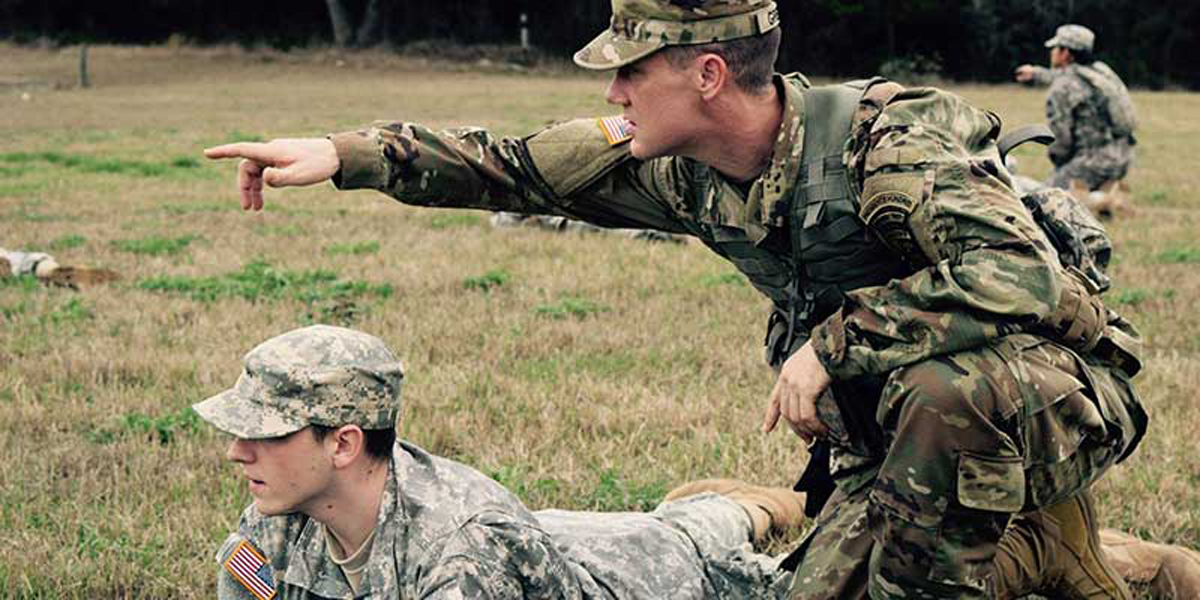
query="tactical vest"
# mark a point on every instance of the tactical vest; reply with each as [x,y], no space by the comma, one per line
[833,252]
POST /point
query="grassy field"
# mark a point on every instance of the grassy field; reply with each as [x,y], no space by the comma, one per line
[582,371]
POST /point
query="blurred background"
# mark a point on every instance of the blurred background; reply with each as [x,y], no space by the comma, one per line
[1149,44]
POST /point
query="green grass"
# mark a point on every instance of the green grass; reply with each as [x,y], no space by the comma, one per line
[488,281]
[571,307]
[85,163]
[259,281]
[1179,256]
[163,429]
[734,279]
[353,248]
[1130,297]
[66,242]
[156,246]
[448,220]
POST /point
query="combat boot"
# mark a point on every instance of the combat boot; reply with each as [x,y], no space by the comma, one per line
[770,508]
[1056,552]
[1170,572]
[50,271]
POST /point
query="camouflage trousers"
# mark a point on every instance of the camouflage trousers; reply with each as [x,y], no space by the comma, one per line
[1094,167]
[695,547]
[971,438]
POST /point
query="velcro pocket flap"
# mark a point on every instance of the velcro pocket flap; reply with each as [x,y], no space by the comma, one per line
[993,483]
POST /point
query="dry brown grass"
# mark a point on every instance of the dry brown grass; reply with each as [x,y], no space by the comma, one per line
[111,489]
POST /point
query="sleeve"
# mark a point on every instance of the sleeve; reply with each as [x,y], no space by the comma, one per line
[1060,109]
[250,573]
[496,558]
[1042,76]
[984,269]
[569,169]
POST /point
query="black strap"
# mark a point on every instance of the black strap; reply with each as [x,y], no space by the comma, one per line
[1037,132]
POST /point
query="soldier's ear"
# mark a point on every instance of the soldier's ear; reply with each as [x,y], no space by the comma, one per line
[712,75]
[347,443]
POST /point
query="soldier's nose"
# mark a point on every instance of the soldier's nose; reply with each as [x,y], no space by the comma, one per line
[238,451]
[614,94]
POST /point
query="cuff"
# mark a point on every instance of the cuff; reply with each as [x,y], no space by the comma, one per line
[362,163]
[829,343]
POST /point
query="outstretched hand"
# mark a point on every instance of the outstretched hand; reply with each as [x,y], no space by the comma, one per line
[1024,73]
[279,163]
[801,381]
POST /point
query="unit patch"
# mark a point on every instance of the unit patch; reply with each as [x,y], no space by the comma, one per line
[251,570]
[616,129]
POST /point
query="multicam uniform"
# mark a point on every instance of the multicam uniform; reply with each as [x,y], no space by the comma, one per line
[445,531]
[1088,145]
[949,337]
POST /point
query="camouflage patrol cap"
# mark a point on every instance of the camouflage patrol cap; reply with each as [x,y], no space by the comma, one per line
[640,27]
[318,375]
[1072,37]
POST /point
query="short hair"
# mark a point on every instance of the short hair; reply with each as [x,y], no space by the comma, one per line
[378,441]
[1082,57]
[750,59]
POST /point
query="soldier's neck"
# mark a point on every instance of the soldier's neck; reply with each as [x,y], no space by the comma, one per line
[350,508]
[744,128]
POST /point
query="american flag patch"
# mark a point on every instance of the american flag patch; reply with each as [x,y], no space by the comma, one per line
[616,129]
[251,570]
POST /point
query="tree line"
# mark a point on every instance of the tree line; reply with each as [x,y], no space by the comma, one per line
[968,40]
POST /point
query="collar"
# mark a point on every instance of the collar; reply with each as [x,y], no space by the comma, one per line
[767,203]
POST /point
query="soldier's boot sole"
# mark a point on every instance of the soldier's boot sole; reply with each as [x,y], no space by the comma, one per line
[1170,572]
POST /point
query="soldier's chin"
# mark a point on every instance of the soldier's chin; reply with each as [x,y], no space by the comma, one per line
[641,151]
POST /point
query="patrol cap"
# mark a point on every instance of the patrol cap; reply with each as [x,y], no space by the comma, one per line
[1072,37]
[640,27]
[318,375]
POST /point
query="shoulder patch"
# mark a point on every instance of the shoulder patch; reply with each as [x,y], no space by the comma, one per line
[888,202]
[616,129]
[249,568]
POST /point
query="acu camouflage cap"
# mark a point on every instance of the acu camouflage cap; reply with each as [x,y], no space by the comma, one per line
[640,27]
[1072,37]
[318,375]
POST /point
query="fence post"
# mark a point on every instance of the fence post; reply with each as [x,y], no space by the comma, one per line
[83,67]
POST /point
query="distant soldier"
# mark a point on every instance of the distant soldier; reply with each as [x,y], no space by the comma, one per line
[341,509]
[1088,109]
[46,269]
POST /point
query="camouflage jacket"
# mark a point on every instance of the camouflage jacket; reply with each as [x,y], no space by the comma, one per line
[1076,113]
[986,269]
[444,531]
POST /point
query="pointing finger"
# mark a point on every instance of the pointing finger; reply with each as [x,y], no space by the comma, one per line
[253,150]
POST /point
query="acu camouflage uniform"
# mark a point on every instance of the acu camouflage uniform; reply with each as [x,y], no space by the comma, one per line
[1090,145]
[444,530]
[975,377]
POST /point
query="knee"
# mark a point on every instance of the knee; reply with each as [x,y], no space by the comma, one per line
[927,395]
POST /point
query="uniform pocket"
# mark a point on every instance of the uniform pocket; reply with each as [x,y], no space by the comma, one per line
[992,483]
[1069,433]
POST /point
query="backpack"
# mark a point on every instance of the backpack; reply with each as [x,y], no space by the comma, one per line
[1117,102]
[1080,240]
